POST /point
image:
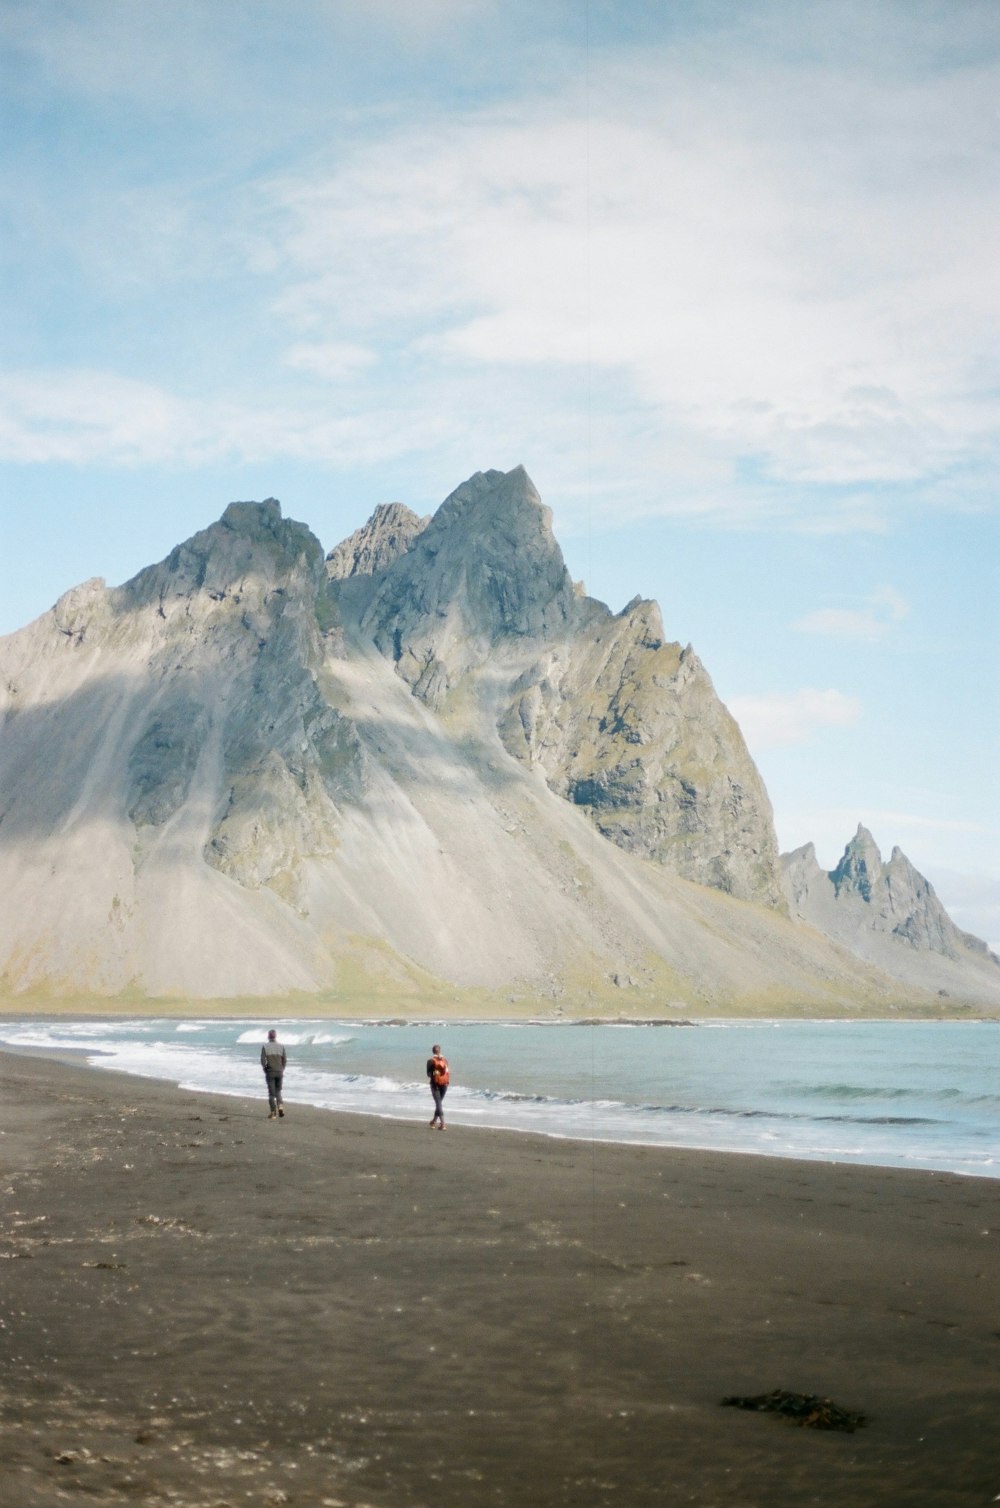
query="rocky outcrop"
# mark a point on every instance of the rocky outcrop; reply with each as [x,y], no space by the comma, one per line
[623,724]
[630,728]
[388,534]
[866,904]
[859,873]
[802,877]
[235,641]
[486,570]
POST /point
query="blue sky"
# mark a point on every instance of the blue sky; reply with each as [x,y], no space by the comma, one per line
[722,277]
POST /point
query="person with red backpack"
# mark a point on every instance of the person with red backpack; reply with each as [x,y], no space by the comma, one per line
[440,1077]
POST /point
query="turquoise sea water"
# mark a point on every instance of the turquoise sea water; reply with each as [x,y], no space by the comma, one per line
[898,1094]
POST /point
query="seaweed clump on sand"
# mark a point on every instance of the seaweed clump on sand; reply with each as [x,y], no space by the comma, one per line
[806,1409]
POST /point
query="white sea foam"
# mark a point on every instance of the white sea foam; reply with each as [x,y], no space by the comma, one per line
[898,1094]
[294,1037]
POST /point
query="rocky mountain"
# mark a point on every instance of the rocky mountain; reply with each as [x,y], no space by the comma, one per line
[887,913]
[620,722]
[388,534]
[426,769]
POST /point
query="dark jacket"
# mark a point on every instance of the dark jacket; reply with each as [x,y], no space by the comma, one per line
[272,1057]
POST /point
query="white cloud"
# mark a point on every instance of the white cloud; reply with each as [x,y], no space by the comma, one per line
[81,417]
[684,298]
[780,719]
[331,360]
[795,267]
[876,617]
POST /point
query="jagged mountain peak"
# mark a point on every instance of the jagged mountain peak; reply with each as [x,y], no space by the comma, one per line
[860,867]
[252,516]
[804,855]
[75,608]
[246,528]
[388,534]
[498,523]
[250,770]
[801,873]
[872,906]
[252,543]
[486,569]
[492,496]
[623,724]
[645,616]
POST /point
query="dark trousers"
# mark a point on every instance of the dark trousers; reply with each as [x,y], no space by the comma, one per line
[273,1088]
[438,1091]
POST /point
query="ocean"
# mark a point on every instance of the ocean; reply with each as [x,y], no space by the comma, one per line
[917,1094]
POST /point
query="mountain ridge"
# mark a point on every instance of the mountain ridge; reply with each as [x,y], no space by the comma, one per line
[425,766]
[865,903]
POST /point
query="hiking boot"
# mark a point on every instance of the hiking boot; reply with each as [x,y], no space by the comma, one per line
[281,1110]
[272,1115]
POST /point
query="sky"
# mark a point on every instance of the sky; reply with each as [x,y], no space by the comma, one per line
[722,277]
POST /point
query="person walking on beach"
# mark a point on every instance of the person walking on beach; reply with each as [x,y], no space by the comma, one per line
[437,1072]
[273,1062]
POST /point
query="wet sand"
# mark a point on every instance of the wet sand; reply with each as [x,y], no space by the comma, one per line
[203,1307]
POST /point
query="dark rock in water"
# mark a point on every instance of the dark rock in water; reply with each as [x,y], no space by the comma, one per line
[806,1409]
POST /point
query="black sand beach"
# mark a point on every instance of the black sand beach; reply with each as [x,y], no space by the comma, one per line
[202,1307]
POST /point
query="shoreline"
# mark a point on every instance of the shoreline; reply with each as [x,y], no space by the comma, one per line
[451,1006]
[205,1306]
[618,1124]
[177,1011]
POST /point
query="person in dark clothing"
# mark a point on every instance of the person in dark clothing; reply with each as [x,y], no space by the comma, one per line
[437,1072]
[273,1061]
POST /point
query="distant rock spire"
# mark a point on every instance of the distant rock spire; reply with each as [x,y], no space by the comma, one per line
[860,868]
[864,898]
[386,536]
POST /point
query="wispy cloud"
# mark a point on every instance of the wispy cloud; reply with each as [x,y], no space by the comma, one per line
[806,283]
[872,620]
[706,295]
[331,360]
[81,417]
[780,719]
